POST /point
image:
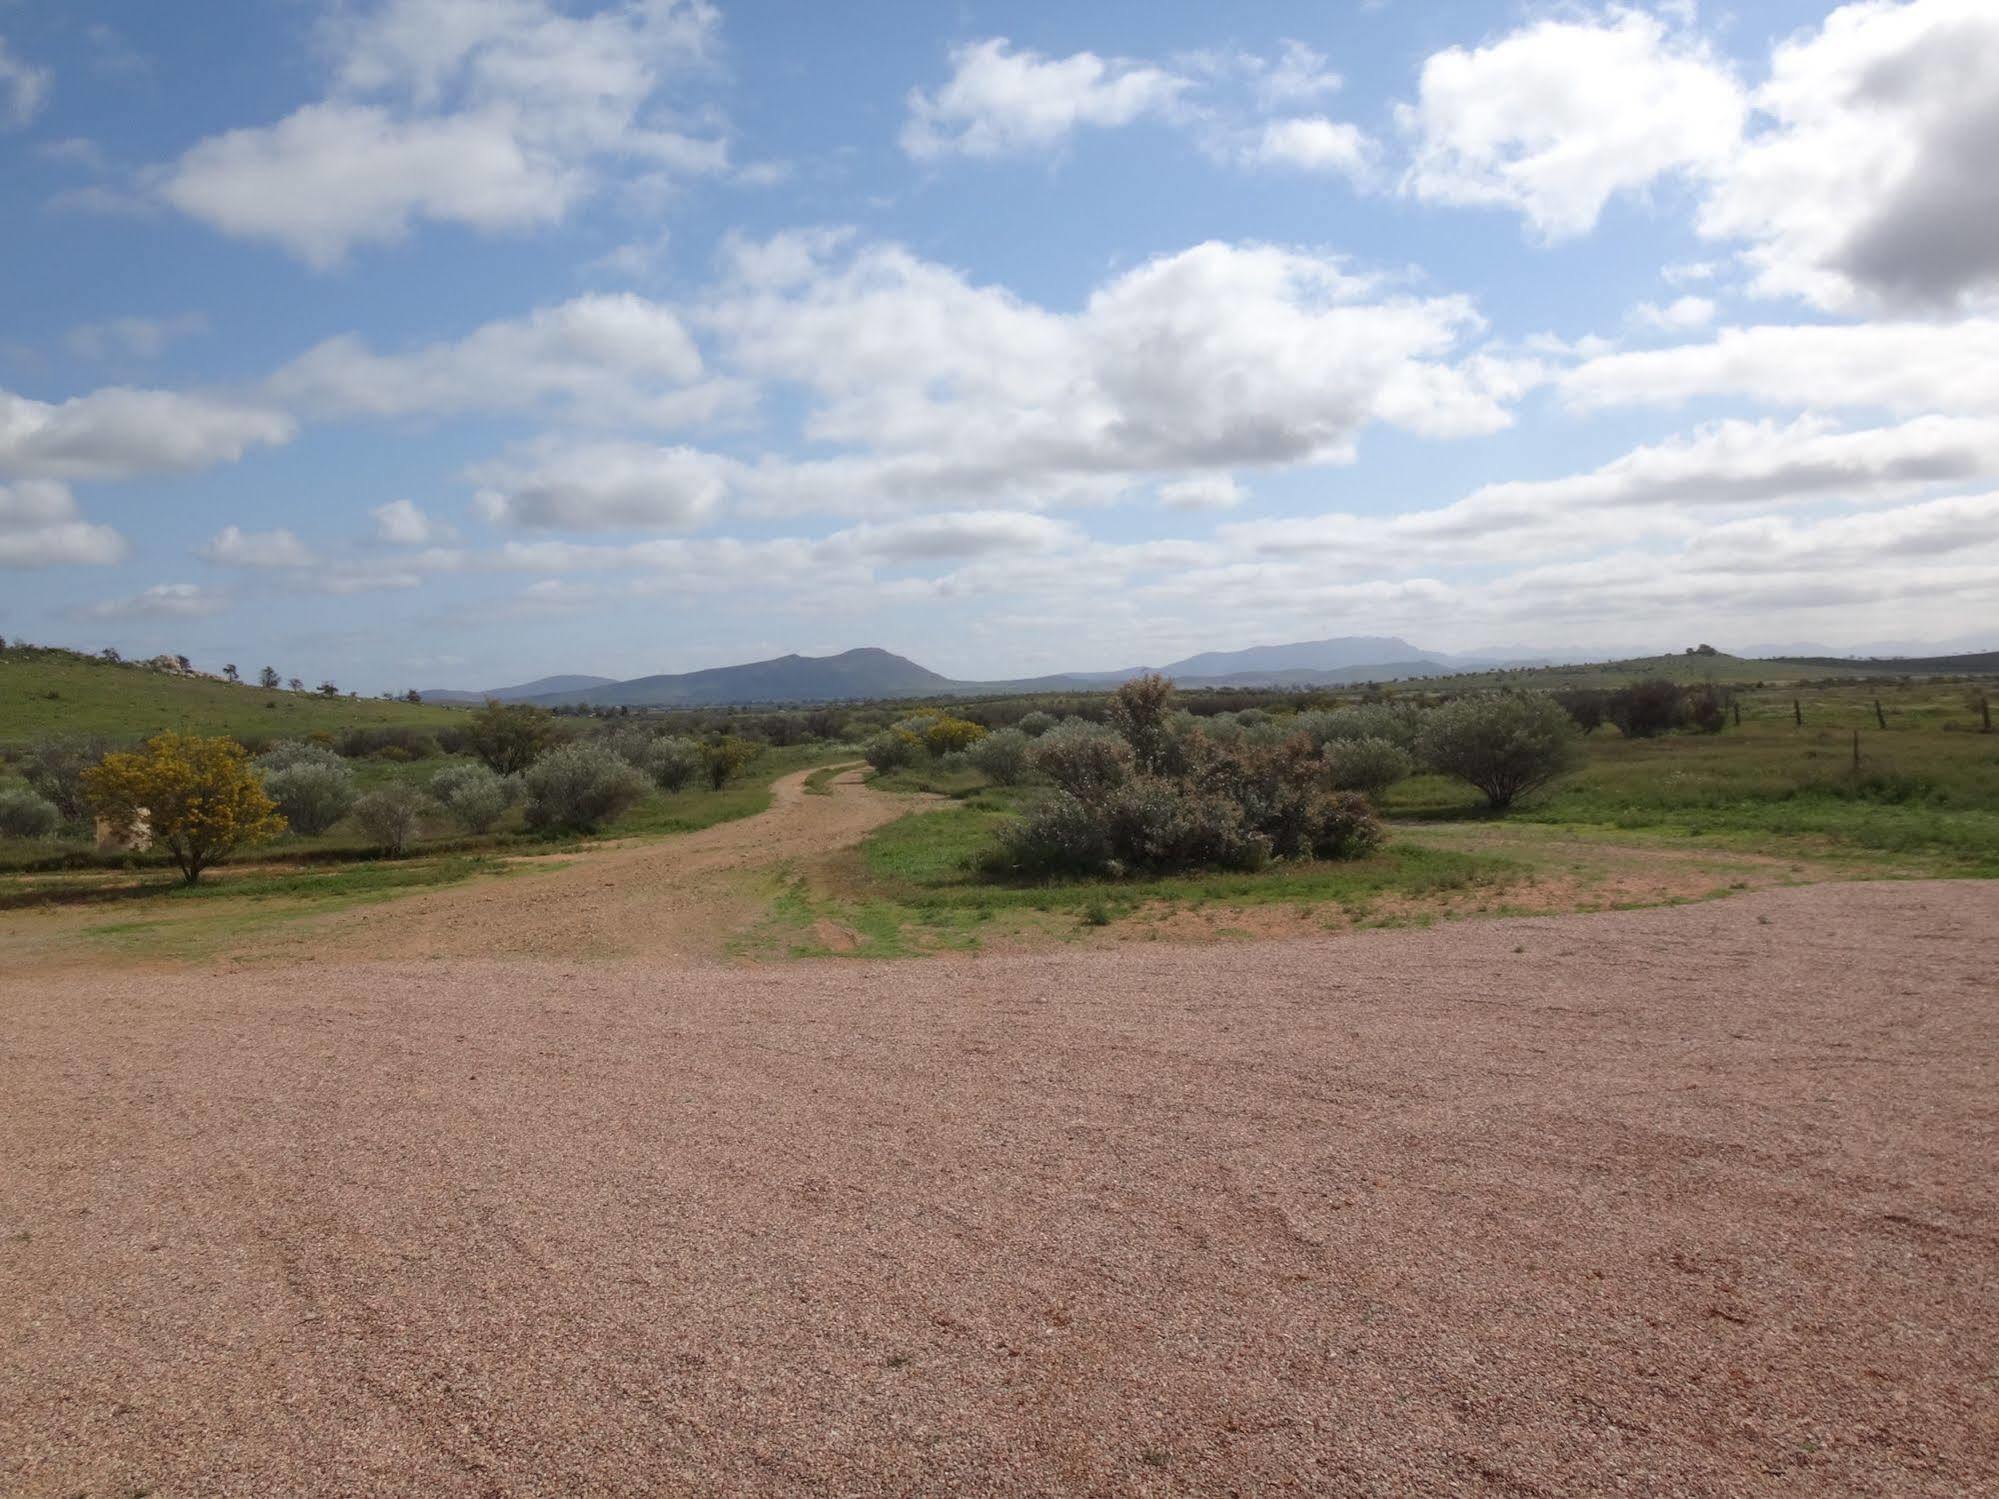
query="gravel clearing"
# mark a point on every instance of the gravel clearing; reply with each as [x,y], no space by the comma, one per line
[1694,1201]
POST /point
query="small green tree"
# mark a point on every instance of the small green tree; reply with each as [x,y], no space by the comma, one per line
[391,817]
[1141,711]
[268,678]
[510,737]
[726,757]
[312,796]
[1506,745]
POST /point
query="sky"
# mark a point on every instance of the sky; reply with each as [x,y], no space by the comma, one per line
[457,342]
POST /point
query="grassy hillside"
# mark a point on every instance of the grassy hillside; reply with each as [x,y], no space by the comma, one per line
[1721,668]
[58,692]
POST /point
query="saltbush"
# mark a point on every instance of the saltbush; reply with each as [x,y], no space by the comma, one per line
[472,796]
[391,817]
[580,787]
[1035,724]
[1001,757]
[312,796]
[1082,758]
[892,749]
[26,814]
[54,768]
[1367,765]
[286,753]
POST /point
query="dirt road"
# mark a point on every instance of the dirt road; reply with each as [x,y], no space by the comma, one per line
[1695,1201]
[663,898]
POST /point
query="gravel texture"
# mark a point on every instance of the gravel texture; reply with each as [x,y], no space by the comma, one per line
[1696,1201]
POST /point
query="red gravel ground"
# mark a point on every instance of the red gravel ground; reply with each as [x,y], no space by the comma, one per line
[1676,1202]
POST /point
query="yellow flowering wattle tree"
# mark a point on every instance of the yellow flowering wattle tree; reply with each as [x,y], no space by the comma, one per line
[198,798]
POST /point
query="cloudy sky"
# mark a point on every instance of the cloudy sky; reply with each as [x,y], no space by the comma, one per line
[452,342]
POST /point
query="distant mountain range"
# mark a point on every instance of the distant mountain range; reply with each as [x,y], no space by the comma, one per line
[871,672]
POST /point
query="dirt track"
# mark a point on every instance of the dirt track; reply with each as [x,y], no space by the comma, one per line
[669,898]
[1688,1201]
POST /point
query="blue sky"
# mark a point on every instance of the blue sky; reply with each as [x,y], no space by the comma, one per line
[453,342]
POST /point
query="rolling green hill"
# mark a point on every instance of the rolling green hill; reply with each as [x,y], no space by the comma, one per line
[60,692]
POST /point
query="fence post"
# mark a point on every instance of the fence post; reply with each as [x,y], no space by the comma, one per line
[1880,717]
[1798,712]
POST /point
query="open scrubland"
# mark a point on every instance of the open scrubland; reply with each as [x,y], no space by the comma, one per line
[1631,1135]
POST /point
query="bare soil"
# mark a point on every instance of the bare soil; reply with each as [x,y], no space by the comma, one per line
[1690,1201]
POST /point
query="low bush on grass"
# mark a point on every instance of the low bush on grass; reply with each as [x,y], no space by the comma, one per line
[312,796]
[54,768]
[1001,757]
[1369,766]
[579,788]
[28,814]
[472,796]
[289,752]
[391,817]
[893,749]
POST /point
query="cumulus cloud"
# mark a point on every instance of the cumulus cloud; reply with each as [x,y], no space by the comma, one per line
[1219,357]
[401,523]
[1905,367]
[1001,102]
[162,601]
[1871,182]
[118,433]
[1313,143]
[24,89]
[605,486]
[232,546]
[40,526]
[603,358]
[494,114]
[1559,117]
[1202,492]
[1677,316]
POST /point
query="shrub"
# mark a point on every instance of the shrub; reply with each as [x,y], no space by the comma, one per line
[1084,759]
[198,797]
[1001,757]
[580,787]
[25,814]
[472,795]
[672,762]
[1060,836]
[1035,724]
[390,818]
[510,737]
[54,768]
[1585,705]
[1342,825]
[944,735]
[725,758]
[892,749]
[1506,745]
[1399,724]
[289,752]
[1646,709]
[312,796]
[1706,708]
[1367,765]
[1139,711]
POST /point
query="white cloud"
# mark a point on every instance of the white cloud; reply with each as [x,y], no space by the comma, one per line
[162,601]
[1202,492]
[133,337]
[40,526]
[1905,367]
[232,546]
[24,90]
[117,433]
[954,536]
[401,523]
[1001,102]
[1678,316]
[1219,357]
[606,358]
[1559,117]
[605,486]
[494,114]
[1313,143]
[1872,181]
